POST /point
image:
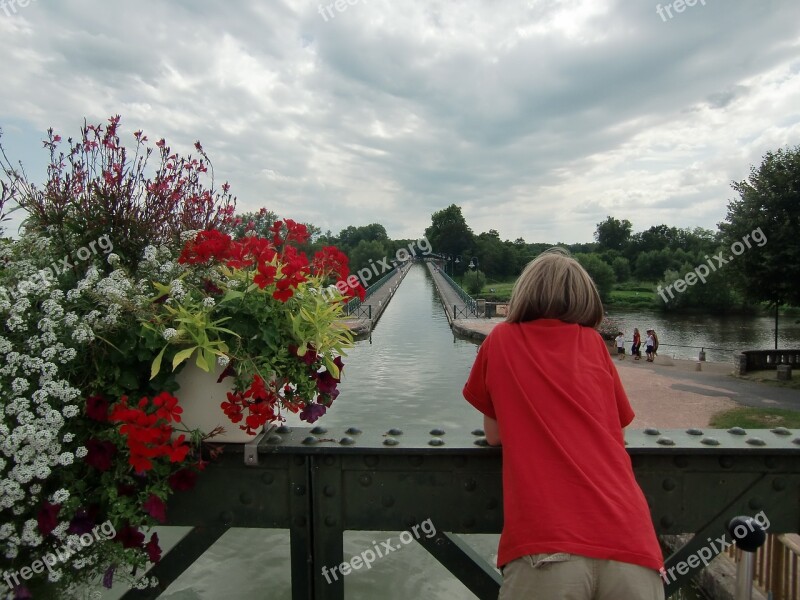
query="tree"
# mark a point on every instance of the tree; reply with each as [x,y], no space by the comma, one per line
[474,282]
[600,272]
[613,234]
[762,230]
[622,269]
[449,232]
[366,258]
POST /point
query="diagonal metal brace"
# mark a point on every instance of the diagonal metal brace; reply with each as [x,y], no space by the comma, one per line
[687,560]
[461,560]
[251,450]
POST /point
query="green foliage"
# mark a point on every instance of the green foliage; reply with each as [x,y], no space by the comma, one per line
[366,251]
[449,232]
[770,203]
[756,418]
[474,282]
[622,269]
[600,272]
[613,234]
[714,295]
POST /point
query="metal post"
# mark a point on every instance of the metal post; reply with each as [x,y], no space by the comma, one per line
[744,576]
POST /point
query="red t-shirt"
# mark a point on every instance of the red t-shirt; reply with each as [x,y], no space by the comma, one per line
[568,483]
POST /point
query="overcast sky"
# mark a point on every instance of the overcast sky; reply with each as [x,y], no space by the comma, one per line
[538,118]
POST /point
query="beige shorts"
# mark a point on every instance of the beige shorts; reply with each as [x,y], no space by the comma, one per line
[572,577]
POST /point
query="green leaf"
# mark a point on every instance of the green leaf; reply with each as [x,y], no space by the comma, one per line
[156,366]
[182,356]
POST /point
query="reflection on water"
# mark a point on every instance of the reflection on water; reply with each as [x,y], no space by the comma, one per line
[412,373]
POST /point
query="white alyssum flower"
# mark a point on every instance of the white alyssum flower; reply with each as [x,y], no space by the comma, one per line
[169,333]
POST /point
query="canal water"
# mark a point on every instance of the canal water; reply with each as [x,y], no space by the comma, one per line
[408,375]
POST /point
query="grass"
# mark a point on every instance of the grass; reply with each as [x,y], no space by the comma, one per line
[771,378]
[756,418]
[501,293]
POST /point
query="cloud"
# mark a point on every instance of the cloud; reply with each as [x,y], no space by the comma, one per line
[538,117]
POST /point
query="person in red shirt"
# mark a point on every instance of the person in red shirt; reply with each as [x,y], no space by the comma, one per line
[576,523]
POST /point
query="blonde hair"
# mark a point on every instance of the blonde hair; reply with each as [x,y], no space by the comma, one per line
[555,286]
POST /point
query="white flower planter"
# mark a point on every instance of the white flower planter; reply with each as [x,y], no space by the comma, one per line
[200,397]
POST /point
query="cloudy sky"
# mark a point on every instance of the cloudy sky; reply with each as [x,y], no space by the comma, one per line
[537,117]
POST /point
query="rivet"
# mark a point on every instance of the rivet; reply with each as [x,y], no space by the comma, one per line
[394,431]
[246,498]
[352,431]
[284,429]
[274,439]
[667,522]
[478,432]
[665,441]
[709,441]
[755,504]
[481,442]
[300,521]
[329,491]
[694,431]
[387,501]
[365,480]
[779,484]
[390,442]
[652,431]
[329,461]
[267,478]
[310,440]
[726,462]
[437,431]
[681,462]
[669,484]
[796,441]
[470,485]
[330,521]
[781,431]
[436,442]
[371,461]
[347,441]
[318,430]
[299,490]
[737,431]
[754,441]
[226,517]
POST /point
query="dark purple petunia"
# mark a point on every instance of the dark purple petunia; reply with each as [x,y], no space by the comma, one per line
[183,480]
[97,408]
[312,412]
[326,383]
[22,592]
[100,454]
[47,518]
[81,523]
[108,577]
[130,537]
[153,549]
[155,507]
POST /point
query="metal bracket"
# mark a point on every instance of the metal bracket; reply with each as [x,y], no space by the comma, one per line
[251,449]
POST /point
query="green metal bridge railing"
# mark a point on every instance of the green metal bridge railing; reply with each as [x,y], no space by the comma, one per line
[319,483]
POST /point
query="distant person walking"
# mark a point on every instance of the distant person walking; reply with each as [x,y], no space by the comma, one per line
[649,345]
[620,339]
[636,351]
[655,342]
